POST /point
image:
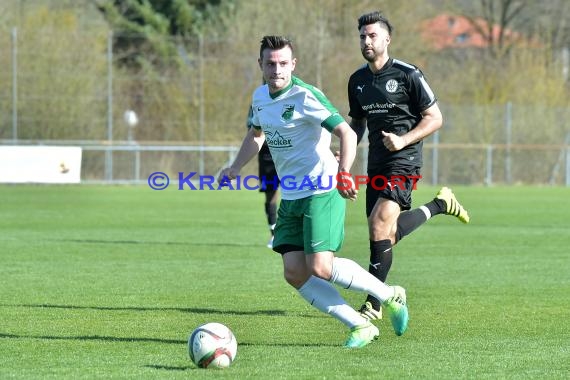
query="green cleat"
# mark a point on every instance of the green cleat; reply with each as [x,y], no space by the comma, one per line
[361,335]
[368,312]
[453,207]
[398,310]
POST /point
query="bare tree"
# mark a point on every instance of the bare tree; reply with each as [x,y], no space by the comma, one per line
[497,22]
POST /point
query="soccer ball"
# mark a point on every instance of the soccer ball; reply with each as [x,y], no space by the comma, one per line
[212,345]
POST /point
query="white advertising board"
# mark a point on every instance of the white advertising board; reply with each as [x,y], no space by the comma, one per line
[40,164]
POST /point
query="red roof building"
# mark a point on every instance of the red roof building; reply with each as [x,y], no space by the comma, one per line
[449,31]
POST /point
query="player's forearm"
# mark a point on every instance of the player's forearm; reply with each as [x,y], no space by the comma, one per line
[348,142]
[249,148]
[432,120]
[426,127]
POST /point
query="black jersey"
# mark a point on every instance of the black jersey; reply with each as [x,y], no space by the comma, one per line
[391,101]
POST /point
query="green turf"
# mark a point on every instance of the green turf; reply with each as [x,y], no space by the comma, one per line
[108,282]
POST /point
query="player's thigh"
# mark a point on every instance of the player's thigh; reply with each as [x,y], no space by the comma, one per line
[323,222]
[288,232]
[385,212]
[395,185]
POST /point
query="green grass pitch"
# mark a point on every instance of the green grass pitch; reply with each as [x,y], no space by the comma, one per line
[108,282]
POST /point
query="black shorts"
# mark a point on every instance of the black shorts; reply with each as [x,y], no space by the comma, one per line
[395,184]
[268,179]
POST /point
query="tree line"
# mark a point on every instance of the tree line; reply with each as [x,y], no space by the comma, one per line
[188,67]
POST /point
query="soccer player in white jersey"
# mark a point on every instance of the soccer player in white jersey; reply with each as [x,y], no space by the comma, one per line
[392,99]
[296,120]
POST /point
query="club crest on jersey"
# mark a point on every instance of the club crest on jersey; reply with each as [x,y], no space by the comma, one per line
[391,85]
[287,112]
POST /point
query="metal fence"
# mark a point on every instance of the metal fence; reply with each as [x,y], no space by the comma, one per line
[481,164]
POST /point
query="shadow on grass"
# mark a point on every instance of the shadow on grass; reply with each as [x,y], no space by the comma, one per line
[94,337]
[170,368]
[187,244]
[153,340]
[193,310]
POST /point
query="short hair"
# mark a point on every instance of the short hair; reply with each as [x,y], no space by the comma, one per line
[373,18]
[274,43]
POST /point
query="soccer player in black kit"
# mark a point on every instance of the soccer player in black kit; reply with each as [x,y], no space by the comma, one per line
[268,183]
[392,99]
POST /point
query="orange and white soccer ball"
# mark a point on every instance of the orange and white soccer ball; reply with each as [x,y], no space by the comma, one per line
[212,345]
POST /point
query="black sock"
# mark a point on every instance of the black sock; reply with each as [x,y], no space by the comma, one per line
[408,221]
[437,206]
[380,263]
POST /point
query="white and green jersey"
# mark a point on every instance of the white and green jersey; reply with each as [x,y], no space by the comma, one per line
[297,122]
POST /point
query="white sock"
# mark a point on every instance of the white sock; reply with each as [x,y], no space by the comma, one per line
[426,212]
[350,275]
[322,295]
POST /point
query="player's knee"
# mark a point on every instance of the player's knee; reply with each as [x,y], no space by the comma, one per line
[321,272]
[379,230]
[295,277]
